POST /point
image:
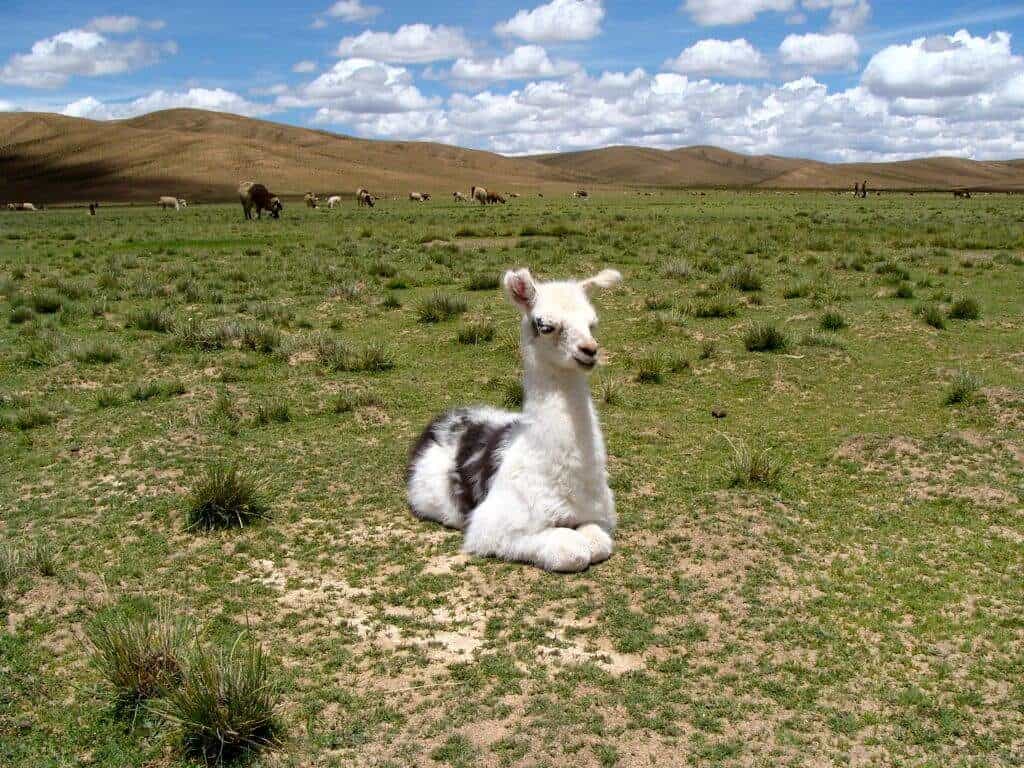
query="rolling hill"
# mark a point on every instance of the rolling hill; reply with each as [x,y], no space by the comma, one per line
[203,155]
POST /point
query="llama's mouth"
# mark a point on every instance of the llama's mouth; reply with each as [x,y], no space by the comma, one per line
[587,365]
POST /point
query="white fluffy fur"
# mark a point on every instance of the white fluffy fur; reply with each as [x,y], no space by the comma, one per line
[549,503]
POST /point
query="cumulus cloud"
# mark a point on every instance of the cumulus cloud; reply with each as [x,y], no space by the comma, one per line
[410,44]
[710,13]
[720,58]
[525,62]
[215,99]
[802,117]
[353,11]
[304,67]
[820,53]
[557,21]
[359,86]
[942,66]
[844,15]
[81,52]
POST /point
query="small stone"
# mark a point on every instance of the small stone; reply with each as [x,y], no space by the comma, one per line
[719,413]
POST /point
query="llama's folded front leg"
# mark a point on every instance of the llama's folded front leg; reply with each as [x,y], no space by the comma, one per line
[599,540]
[562,550]
[554,549]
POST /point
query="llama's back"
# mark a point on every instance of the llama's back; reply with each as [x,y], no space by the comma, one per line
[452,464]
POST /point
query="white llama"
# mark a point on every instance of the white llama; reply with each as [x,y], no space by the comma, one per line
[530,487]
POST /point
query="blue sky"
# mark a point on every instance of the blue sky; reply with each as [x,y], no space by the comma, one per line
[830,79]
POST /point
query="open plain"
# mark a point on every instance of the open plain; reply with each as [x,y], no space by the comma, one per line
[827,571]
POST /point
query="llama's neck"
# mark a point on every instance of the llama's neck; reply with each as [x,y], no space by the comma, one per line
[560,412]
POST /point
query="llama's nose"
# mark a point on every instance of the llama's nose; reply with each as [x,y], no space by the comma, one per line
[589,350]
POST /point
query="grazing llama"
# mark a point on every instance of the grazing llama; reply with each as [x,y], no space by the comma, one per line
[530,486]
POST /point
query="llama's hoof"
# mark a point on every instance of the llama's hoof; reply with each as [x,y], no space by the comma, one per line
[566,552]
[600,542]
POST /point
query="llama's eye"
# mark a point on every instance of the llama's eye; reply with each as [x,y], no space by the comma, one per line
[543,327]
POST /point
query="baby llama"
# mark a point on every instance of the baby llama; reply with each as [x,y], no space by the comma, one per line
[531,486]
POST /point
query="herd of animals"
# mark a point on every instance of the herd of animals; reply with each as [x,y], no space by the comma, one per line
[256,196]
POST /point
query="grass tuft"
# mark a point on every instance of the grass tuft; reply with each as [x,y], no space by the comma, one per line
[225,497]
[718,305]
[832,321]
[963,389]
[965,308]
[226,706]
[751,467]
[743,278]
[482,282]
[151,319]
[480,332]
[97,352]
[276,412]
[931,313]
[138,657]
[440,307]
[765,337]
[346,402]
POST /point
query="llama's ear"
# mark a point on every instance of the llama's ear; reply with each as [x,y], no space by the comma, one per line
[606,278]
[521,289]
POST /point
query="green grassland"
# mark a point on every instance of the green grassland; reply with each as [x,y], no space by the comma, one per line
[830,574]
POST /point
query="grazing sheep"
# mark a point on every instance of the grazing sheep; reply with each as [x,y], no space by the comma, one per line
[183,202]
[530,486]
[21,207]
[494,197]
[479,194]
[168,201]
[256,195]
[333,200]
[364,198]
[459,197]
[311,200]
[957,193]
[419,197]
[513,195]
[581,193]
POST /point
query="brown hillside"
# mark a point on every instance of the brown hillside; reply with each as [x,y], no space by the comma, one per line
[203,155]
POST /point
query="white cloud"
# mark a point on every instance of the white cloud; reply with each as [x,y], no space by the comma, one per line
[122,25]
[800,118]
[79,52]
[820,53]
[360,86]
[844,15]
[525,62]
[304,67]
[942,66]
[410,44]
[215,99]
[709,13]
[6,106]
[720,58]
[353,11]
[557,21]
